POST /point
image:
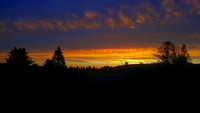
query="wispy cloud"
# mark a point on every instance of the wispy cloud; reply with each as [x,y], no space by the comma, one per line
[92,15]
[140,19]
[173,11]
[168,5]
[111,22]
[126,20]
[123,16]
[195,6]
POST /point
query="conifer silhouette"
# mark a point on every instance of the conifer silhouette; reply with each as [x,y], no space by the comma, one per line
[58,58]
[19,57]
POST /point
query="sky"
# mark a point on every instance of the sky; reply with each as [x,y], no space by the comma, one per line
[98,32]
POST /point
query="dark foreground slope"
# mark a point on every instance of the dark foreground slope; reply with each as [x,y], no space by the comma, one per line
[126,78]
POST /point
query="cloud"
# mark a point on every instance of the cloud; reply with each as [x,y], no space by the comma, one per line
[20,25]
[92,15]
[147,8]
[110,53]
[143,13]
[60,24]
[195,36]
[2,27]
[140,19]
[111,22]
[83,23]
[126,20]
[174,11]
[46,25]
[116,17]
[168,5]
[177,14]
[195,4]
[93,24]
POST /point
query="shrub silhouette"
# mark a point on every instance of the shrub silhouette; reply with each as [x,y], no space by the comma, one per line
[49,63]
[19,57]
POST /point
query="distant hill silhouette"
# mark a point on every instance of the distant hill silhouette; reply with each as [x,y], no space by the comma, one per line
[129,76]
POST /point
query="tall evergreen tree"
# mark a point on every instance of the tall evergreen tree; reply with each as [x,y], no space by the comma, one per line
[19,57]
[58,58]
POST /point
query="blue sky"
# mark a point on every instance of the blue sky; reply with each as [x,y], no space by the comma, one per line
[92,24]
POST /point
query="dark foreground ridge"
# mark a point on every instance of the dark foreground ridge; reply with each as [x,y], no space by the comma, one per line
[130,78]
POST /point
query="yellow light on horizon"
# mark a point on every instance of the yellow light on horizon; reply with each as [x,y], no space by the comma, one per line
[102,57]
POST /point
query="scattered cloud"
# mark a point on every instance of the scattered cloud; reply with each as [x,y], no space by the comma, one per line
[46,25]
[126,20]
[20,25]
[168,5]
[122,16]
[92,15]
[177,14]
[140,19]
[111,22]
[147,8]
[195,6]
[173,11]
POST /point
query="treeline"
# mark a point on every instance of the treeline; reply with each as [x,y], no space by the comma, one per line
[170,54]
[167,53]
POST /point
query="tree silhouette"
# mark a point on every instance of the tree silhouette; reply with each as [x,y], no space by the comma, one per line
[183,55]
[166,52]
[58,58]
[126,63]
[49,63]
[19,57]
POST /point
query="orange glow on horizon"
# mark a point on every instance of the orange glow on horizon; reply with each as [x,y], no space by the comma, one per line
[103,57]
